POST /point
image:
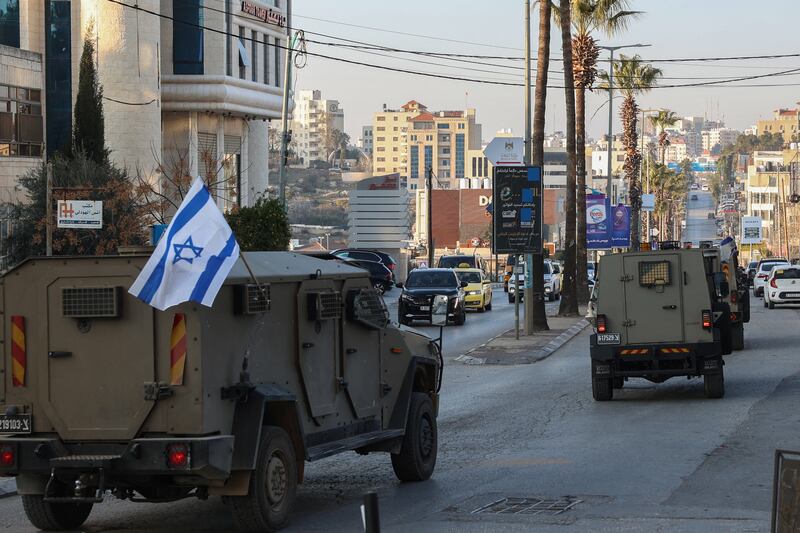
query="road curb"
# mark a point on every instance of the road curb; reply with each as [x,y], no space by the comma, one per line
[549,349]
[8,487]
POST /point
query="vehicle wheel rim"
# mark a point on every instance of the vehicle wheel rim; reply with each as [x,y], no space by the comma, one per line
[277,480]
[426,437]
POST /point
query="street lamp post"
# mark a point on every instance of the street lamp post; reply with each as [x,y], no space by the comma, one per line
[612,49]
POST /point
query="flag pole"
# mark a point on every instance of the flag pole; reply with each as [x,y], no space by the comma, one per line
[250,271]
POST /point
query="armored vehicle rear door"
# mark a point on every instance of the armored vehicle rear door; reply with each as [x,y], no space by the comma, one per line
[361,361]
[653,298]
[100,344]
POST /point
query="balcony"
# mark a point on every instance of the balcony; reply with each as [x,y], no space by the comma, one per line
[221,94]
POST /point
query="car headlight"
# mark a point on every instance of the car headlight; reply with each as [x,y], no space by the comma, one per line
[473,293]
[406,298]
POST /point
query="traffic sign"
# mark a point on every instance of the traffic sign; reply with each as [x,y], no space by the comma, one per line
[508,151]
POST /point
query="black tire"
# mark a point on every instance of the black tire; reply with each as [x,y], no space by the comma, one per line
[765,303]
[737,336]
[771,305]
[54,516]
[558,295]
[602,389]
[273,485]
[618,382]
[460,319]
[744,306]
[511,299]
[551,297]
[714,385]
[489,306]
[725,333]
[417,458]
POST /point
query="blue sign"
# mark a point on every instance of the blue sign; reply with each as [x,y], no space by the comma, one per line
[517,210]
[621,226]
[597,222]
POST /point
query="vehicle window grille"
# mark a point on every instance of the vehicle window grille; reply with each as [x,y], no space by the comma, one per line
[324,305]
[367,307]
[654,273]
[89,302]
[252,299]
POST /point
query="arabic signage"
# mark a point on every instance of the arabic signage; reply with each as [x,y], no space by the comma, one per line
[264,14]
[751,230]
[508,151]
[82,214]
[621,226]
[597,235]
[517,210]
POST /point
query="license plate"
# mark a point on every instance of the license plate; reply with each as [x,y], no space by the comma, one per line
[15,424]
[609,338]
[793,294]
[424,307]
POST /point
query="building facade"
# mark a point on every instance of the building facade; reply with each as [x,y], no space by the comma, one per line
[187,89]
[784,121]
[314,121]
[366,140]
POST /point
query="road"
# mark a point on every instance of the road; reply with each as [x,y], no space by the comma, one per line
[657,458]
[698,226]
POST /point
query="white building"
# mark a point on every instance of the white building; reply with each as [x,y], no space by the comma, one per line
[718,138]
[187,89]
[365,142]
[676,151]
[313,122]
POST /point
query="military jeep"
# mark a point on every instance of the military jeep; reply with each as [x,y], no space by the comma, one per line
[660,314]
[102,393]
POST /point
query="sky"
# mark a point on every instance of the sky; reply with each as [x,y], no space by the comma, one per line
[673,28]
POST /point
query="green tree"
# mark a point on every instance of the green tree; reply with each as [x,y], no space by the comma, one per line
[588,18]
[745,145]
[661,121]
[88,128]
[633,77]
[262,227]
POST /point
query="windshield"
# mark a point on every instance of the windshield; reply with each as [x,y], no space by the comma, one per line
[752,264]
[789,273]
[421,278]
[469,277]
[457,261]
[766,267]
[548,268]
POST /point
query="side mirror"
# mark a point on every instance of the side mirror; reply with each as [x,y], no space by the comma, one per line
[487,282]
[464,284]
[399,284]
[439,310]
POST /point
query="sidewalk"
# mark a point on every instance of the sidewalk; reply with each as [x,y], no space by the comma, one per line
[505,349]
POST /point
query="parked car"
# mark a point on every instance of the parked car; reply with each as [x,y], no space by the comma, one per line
[369,255]
[478,292]
[420,288]
[552,284]
[782,287]
[379,275]
[762,273]
[751,272]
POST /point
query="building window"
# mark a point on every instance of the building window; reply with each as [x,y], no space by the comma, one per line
[207,156]
[414,162]
[58,74]
[187,37]
[381,139]
[428,157]
[380,149]
[444,162]
[266,59]
[277,62]
[429,137]
[254,53]
[21,125]
[459,155]
[244,59]
[380,119]
[474,166]
[413,137]
[381,128]
[381,159]
[9,23]
[461,125]
[443,126]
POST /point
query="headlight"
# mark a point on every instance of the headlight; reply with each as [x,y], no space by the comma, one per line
[406,297]
[473,293]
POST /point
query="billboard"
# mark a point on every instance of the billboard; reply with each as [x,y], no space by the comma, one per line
[751,231]
[82,214]
[517,210]
[621,226]
[597,234]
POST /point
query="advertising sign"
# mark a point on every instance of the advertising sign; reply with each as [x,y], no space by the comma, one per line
[508,151]
[751,230]
[621,226]
[517,209]
[648,203]
[597,223]
[264,14]
[81,214]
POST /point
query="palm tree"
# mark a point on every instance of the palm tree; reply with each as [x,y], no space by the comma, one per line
[632,76]
[569,298]
[663,120]
[537,149]
[588,17]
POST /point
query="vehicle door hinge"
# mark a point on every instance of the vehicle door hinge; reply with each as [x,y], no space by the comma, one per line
[628,323]
[625,278]
[157,391]
[386,388]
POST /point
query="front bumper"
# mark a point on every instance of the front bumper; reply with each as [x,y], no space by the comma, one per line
[209,457]
[655,360]
[421,310]
[473,301]
[782,297]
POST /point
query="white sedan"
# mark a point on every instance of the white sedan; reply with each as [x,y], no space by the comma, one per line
[764,268]
[783,286]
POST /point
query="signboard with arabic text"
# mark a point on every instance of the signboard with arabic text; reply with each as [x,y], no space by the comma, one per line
[80,214]
[517,210]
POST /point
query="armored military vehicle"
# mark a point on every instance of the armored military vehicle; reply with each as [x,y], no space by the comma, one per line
[660,314]
[104,393]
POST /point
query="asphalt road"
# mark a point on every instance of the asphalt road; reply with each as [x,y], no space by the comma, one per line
[698,226]
[657,458]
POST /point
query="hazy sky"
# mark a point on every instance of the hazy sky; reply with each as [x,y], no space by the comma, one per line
[674,28]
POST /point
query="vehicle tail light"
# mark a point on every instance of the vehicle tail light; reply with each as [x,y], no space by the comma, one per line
[391,266]
[708,320]
[178,455]
[7,456]
[734,297]
[773,284]
[734,316]
[601,323]
[762,276]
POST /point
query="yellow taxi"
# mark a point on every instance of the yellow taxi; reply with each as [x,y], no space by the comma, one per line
[478,292]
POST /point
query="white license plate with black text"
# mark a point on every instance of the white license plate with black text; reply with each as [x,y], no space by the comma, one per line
[793,294]
[424,307]
[609,338]
[15,424]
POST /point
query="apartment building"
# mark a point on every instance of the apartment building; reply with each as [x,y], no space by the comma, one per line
[366,142]
[676,151]
[184,85]
[784,121]
[766,175]
[715,139]
[314,120]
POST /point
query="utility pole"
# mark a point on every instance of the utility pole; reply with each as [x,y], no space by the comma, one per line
[287,82]
[49,211]
[429,198]
[529,256]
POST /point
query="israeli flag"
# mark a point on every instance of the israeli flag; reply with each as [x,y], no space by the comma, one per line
[193,257]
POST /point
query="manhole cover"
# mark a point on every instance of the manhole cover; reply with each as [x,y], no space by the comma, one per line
[529,506]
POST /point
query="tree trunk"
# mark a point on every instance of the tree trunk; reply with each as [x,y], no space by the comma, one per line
[569,298]
[580,164]
[537,153]
[633,159]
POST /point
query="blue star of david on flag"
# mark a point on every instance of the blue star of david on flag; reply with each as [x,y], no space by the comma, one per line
[193,257]
[187,245]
